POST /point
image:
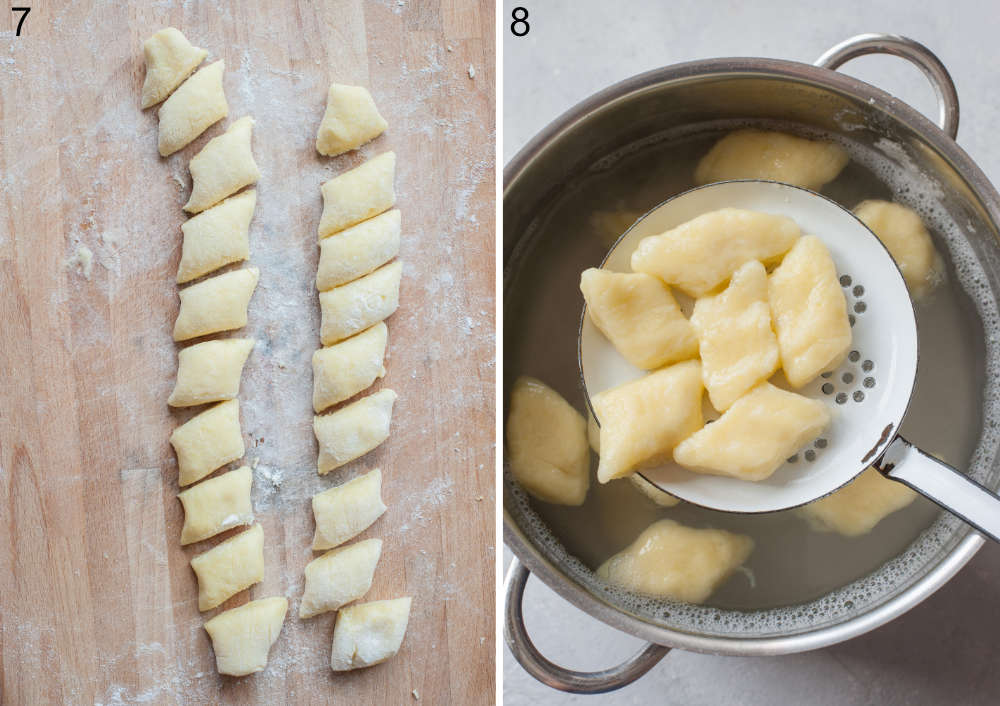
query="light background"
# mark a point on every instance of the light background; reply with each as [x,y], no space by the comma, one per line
[941,651]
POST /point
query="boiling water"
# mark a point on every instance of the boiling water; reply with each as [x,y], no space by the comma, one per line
[791,563]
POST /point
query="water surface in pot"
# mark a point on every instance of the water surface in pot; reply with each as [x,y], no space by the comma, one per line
[791,564]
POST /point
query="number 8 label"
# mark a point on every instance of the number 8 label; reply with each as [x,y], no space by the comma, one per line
[519,27]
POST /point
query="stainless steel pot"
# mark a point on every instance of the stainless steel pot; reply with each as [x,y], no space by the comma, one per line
[744,89]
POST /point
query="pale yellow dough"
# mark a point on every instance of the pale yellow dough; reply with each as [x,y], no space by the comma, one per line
[347,510]
[208,441]
[680,563]
[242,637]
[210,371]
[216,304]
[344,369]
[775,156]
[353,307]
[369,633]
[643,420]
[856,508]
[223,166]
[170,58]
[360,249]
[353,430]
[351,119]
[810,312]
[229,567]
[216,505]
[738,347]
[199,103]
[701,254]
[338,577]
[547,444]
[906,238]
[217,237]
[358,194]
[754,436]
[639,315]
[638,482]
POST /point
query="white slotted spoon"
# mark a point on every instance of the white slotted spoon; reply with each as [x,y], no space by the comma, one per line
[867,396]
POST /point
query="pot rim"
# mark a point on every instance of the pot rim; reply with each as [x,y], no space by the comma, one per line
[909,597]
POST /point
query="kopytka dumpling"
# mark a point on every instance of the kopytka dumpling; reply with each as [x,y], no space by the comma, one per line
[216,237]
[355,306]
[351,119]
[354,430]
[810,312]
[358,250]
[643,420]
[210,371]
[367,634]
[669,560]
[701,254]
[775,156]
[242,637]
[639,315]
[755,436]
[170,58]
[216,304]
[229,567]
[906,238]
[547,444]
[855,509]
[358,194]
[738,347]
[207,441]
[223,166]
[344,511]
[344,369]
[199,103]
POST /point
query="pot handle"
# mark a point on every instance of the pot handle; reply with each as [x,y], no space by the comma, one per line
[914,52]
[550,674]
[953,491]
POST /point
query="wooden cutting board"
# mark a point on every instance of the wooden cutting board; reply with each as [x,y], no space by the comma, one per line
[97,600]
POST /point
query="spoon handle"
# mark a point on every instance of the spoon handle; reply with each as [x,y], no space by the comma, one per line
[950,489]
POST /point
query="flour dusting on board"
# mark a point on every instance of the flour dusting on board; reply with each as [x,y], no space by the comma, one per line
[119,215]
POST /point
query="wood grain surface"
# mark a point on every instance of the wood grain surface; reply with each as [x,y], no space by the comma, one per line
[98,603]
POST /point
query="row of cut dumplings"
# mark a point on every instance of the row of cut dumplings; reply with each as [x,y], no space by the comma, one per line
[209,372]
[358,283]
[731,330]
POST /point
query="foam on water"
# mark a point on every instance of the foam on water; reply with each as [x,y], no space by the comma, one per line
[898,170]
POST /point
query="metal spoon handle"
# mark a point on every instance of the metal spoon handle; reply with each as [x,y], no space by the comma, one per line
[947,487]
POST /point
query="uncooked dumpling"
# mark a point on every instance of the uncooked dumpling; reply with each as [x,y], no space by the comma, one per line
[216,304]
[242,637]
[905,236]
[216,237]
[170,58]
[547,444]
[223,166]
[738,348]
[639,315]
[860,505]
[338,577]
[358,250]
[216,505]
[369,633]
[351,119]
[345,511]
[354,430]
[199,103]
[671,561]
[353,307]
[810,312]
[208,441]
[229,567]
[643,420]
[776,156]
[358,194]
[755,435]
[699,255]
[210,371]
[344,369]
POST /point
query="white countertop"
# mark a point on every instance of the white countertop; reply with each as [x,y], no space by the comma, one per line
[943,650]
